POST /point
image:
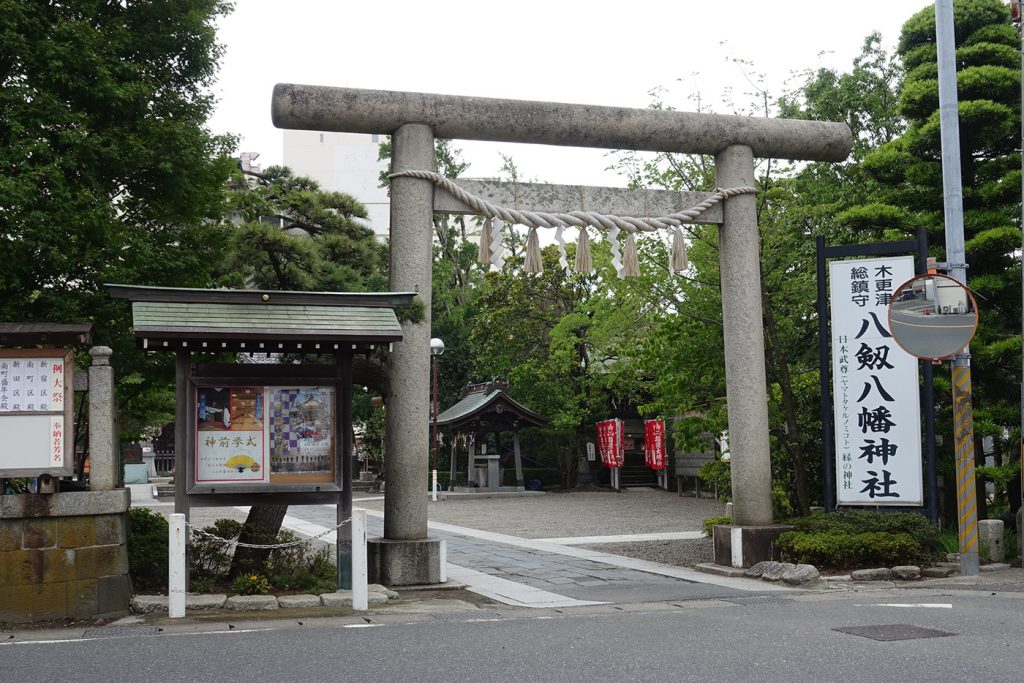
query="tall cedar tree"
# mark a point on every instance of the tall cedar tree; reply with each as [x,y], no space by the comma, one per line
[907,175]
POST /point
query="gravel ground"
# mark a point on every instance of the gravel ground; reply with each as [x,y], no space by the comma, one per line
[557,515]
[678,553]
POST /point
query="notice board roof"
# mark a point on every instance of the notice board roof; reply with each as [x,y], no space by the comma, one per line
[51,334]
[260,320]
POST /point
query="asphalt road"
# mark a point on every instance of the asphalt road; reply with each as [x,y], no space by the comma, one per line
[784,639]
[930,336]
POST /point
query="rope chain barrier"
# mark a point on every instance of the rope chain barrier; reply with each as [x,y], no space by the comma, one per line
[576,219]
[263,546]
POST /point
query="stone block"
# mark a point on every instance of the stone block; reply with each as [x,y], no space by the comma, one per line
[990,533]
[777,570]
[377,588]
[10,534]
[39,533]
[49,601]
[16,604]
[110,530]
[879,574]
[200,602]
[801,575]
[69,504]
[102,560]
[147,604]
[757,570]
[906,573]
[82,596]
[113,595]
[938,572]
[251,603]
[745,546]
[194,602]
[404,563]
[298,601]
[720,570]
[37,566]
[994,567]
[76,532]
[337,600]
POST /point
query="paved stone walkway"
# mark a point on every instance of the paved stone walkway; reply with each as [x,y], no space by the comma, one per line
[540,573]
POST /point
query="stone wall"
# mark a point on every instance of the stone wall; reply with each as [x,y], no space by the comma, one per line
[64,555]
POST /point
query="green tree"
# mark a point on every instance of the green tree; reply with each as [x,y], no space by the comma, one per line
[289,234]
[906,191]
[107,173]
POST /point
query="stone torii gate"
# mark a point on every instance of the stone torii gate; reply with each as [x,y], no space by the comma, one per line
[406,555]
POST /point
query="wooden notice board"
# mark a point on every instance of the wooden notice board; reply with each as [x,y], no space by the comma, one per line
[36,412]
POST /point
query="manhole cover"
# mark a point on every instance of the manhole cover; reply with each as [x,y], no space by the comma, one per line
[121,631]
[475,615]
[760,600]
[893,632]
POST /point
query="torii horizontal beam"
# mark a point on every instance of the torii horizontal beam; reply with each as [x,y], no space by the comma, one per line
[314,107]
[567,198]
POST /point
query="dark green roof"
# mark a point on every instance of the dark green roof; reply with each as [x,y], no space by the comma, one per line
[487,406]
[261,321]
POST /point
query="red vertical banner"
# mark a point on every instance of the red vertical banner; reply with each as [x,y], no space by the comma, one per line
[654,444]
[611,442]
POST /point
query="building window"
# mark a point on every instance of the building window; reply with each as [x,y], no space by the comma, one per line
[375,138]
[321,137]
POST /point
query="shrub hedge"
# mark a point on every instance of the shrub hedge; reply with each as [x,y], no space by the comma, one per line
[859,538]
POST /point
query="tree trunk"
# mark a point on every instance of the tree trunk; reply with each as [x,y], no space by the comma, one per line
[261,527]
[793,436]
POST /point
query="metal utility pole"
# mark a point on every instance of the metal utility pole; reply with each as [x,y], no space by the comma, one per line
[953,210]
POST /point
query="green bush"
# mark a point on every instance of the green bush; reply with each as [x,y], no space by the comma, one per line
[147,549]
[209,558]
[850,522]
[717,475]
[251,584]
[711,522]
[295,567]
[844,550]
[299,567]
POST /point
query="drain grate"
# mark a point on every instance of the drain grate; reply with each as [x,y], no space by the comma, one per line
[760,600]
[475,615]
[120,631]
[893,632]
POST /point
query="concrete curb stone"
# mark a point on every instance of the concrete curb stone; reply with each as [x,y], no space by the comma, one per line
[251,603]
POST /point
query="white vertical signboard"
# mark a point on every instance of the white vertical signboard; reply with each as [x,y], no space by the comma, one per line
[875,387]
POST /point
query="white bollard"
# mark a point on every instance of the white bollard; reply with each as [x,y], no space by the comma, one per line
[443,575]
[434,485]
[359,577]
[176,566]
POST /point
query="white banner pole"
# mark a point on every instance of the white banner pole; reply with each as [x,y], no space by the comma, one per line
[359,577]
[176,566]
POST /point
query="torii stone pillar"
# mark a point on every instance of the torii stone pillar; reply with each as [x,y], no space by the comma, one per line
[734,140]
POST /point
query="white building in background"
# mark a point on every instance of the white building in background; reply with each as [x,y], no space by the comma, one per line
[343,162]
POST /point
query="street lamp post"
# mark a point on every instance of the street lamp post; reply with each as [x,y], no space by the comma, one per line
[436,349]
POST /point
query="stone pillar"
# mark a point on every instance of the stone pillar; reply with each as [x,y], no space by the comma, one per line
[405,556]
[990,533]
[747,397]
[103,457]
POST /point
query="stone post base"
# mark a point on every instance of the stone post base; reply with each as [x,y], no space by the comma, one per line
[745,546]
[404,563]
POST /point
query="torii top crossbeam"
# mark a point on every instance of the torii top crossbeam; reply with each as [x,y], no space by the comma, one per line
[314,107]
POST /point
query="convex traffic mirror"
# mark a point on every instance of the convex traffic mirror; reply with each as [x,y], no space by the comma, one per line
[933,316]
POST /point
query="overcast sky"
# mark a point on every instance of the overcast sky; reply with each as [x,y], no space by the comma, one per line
[581,52]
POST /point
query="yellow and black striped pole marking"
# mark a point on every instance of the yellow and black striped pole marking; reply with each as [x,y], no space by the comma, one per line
[966,489]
